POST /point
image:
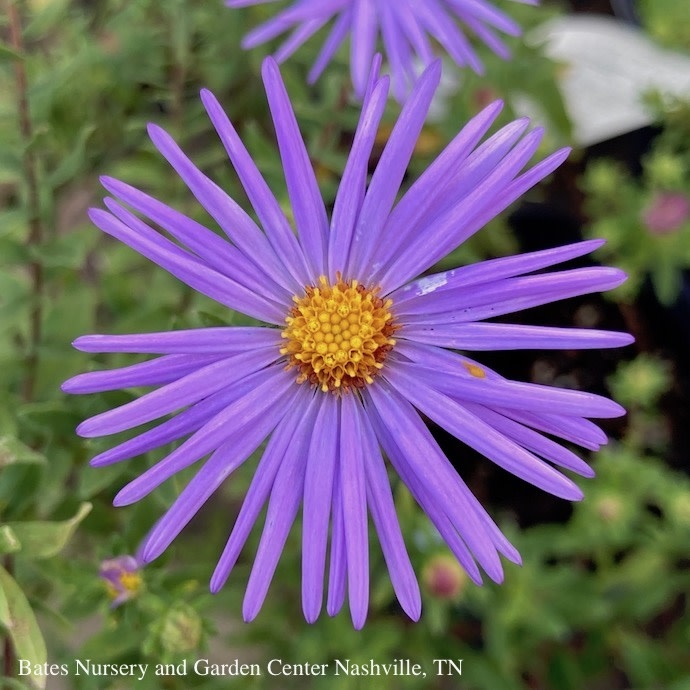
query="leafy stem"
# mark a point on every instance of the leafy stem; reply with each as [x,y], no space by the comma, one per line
[33,204]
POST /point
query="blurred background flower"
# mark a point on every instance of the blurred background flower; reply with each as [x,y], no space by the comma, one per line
[407,28]
[122,578]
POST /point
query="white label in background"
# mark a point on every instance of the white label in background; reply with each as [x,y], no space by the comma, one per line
[610,66]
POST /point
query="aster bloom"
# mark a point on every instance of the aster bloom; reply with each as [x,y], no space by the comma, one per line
[354,346]
[122,578]
[407,28]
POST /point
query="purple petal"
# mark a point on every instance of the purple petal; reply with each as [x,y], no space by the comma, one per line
[382,507]
[318,494]
[504,336]
[350,195]
[186,422]
[435,19]
[428,191]
[298,37]
[364,30]
[457,224]
[232,424]
[226,341]
[267,209]
[353,493]
[236,224]
[286,494]
[213,250]
[475,303]
[483,438]
[244,441]
[185,391]
[492,270]
[297,421]
[303,189]
[187,269]
[580,431]
[155,372]
[390,170]
[331,44]
[494,393]
[337,575]
[432,470]
[425,499]
[531,440]
[487,13]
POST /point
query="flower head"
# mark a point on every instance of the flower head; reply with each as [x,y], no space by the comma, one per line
[353,348]
[668,212]
[407,28]
[443,577]
[122,578]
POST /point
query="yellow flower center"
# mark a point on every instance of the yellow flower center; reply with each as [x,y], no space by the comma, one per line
[338,335]
[130,582]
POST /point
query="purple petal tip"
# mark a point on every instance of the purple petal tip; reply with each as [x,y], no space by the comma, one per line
[122,499]
[86,430]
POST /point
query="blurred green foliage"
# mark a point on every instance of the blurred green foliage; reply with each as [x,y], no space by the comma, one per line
[600,601]
[646,219]
[667,22]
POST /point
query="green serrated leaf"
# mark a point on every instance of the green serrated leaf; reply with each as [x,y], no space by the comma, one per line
[14,452]
[21,625]
[45,539]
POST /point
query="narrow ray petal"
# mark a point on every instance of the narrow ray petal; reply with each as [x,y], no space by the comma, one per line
[382,507]
[337,574]
[503,336]
[353,493]
[199,341]
[180,393]
[493,270]
[318,495]
[216,252]
[532,397]
[485,439]
[187,269]
[294,425]
[155,372]
[241,422]
[305,197]
[236,224]
[286,494]
[433,470]
[390,170]
[265,205]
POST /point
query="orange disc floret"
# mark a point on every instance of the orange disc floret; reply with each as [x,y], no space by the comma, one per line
[339,335]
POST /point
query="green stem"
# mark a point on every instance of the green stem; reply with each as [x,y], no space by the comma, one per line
[33,239]
[33,203]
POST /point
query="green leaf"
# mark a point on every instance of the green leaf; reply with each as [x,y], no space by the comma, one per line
[10,54]
[45,539]
[14,684]
[8,540]
[14,452]
[20,622]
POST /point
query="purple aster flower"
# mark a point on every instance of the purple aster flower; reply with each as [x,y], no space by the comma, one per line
[407,27]
[122,578]
[354,347]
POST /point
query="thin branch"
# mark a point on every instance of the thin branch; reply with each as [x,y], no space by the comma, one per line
[35,234]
